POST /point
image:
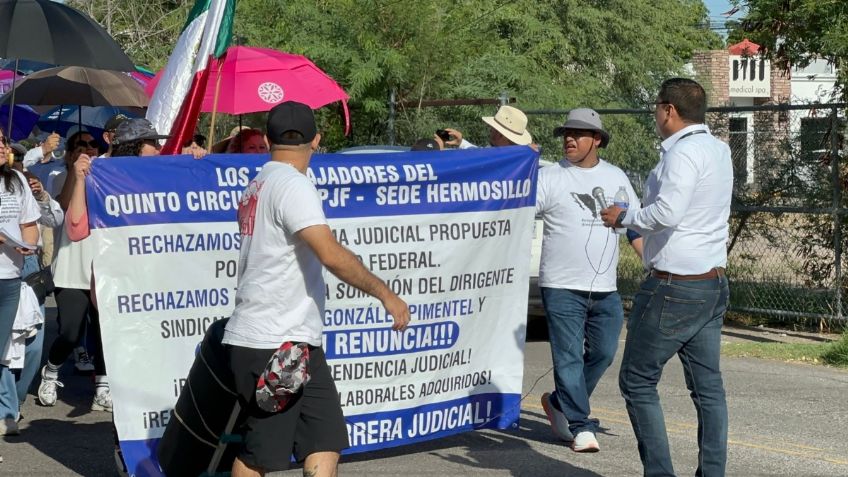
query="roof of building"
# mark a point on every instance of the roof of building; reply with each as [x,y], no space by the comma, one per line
[745,47]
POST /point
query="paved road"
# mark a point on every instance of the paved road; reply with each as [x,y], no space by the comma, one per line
[786,419]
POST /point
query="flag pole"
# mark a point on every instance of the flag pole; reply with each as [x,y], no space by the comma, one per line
[211,139]
[12,103]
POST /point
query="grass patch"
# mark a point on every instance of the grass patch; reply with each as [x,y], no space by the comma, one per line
[837,352]
[833,354]
[811,325]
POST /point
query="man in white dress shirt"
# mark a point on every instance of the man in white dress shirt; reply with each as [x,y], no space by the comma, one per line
[680,306]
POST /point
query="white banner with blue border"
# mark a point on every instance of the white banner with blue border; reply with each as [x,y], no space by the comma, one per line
[449,231]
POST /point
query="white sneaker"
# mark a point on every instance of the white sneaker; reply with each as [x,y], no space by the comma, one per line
[82,362]
[585,442]
[47,389]
[9,427]
[559,423]
[102,401]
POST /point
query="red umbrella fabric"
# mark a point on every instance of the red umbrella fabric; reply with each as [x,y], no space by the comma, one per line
[257,79]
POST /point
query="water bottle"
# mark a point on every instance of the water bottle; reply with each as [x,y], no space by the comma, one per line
[621,199]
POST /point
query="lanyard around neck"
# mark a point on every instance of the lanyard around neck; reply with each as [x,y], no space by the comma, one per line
[691,133]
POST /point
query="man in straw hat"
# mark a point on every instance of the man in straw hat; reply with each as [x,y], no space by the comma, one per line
[508,127]
[578,274]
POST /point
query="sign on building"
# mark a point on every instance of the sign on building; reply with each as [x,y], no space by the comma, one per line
[750,77]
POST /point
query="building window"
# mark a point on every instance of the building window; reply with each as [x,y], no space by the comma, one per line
[739,149]
[815,140]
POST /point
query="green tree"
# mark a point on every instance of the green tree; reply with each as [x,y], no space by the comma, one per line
[549,54]
[145,29]
[794,33]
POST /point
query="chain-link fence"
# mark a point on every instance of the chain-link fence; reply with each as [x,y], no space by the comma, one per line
[786,230]
[788,215]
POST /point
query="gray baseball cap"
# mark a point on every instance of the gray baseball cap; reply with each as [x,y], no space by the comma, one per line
[136,129]
[584,119]
[19,149]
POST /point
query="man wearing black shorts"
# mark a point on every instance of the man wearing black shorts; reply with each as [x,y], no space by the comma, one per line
[280,298]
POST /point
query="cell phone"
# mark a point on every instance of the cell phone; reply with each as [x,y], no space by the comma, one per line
[443,135]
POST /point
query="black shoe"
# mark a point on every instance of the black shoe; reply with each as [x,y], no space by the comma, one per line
[120,466]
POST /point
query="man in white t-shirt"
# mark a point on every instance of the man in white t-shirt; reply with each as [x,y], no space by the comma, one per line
[280,298]
[577,274]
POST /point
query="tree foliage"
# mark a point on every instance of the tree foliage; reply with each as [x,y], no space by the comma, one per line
[549,54]
[146,29]
[794,33]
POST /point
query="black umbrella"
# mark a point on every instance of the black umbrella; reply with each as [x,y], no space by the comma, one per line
[51,32]
[78,85]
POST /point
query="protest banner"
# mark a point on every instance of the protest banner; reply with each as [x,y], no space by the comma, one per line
[448,231]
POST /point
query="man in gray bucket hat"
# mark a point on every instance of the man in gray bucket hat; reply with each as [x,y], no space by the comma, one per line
[584,119]
[577,274]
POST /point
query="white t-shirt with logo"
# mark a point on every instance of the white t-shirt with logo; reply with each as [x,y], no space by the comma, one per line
[578,252]
[280,294]
[16,208]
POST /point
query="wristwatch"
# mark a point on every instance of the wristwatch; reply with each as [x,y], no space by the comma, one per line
[620,217]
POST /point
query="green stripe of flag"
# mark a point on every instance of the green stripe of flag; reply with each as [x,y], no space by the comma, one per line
[225,32]
[199,7]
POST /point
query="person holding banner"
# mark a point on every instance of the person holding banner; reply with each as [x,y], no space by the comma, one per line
[17,224]
[280,300]
[72,269]
[577,274]
[680,306]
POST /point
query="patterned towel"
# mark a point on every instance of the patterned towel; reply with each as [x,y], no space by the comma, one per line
[284,376]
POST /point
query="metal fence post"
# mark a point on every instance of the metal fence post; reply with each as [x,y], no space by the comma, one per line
[390,126]
[837,212]
[504,98]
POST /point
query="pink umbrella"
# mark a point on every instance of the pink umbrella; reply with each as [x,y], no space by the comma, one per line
[257,79]
[141,78]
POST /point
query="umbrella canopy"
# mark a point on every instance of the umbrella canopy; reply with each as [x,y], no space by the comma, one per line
[6,80]
[25,119]
[257,79]
[51,32]
[24,67]
[78,85]
[93,119]
[141,76]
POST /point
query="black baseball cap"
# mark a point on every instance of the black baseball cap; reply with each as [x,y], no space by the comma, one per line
[291,116]
[134,130]
[115,121]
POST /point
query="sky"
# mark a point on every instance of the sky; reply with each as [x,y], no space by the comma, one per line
[717,7]
[717,20]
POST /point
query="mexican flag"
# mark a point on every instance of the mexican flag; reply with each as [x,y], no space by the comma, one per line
[175,105]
